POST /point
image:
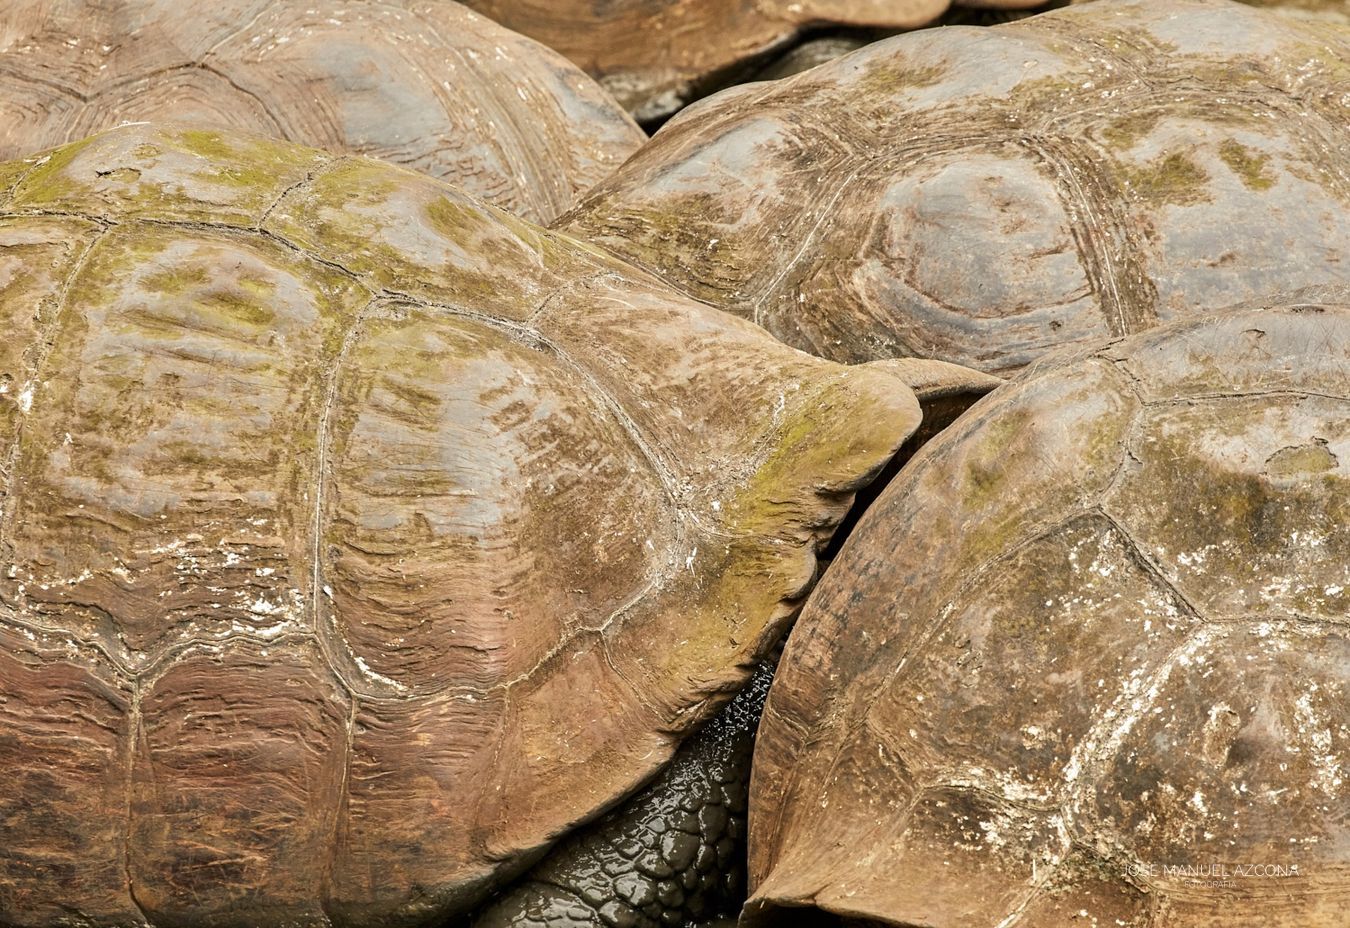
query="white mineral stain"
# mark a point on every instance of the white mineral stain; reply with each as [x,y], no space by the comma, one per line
[261,606]
[267,631]
[365,669]
[1326,765]
[1137,696]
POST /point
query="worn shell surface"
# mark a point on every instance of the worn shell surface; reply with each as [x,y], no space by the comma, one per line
[1337,11]
[359,539]
[1091,646]
[982,195]
[649,52]
[423,83]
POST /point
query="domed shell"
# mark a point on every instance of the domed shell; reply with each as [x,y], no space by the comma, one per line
[427,84]
[651,54]
[983,195]
[360,539]
[1087,660]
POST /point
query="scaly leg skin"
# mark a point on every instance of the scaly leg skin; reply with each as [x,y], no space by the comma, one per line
[673,856]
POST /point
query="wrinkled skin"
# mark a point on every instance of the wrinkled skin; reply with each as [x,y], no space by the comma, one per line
[361,540]
[673,855]
[422,83]
[1096,632]
[983,196]
[653,54]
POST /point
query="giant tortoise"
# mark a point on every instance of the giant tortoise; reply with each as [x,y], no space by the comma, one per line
[424,83]
[653,54]
[1087,660]
[359,539]
[981,195]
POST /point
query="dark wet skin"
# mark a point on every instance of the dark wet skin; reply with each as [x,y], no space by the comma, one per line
[673,855]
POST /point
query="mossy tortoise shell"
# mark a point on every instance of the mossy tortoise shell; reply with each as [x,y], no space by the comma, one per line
[427,84]
[982,195]
[1087,660]
[360,539]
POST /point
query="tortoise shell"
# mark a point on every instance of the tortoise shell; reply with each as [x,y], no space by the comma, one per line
[1087,660]
[982,195]
[429,85]
[1335,11]
[652,54]
[360,539]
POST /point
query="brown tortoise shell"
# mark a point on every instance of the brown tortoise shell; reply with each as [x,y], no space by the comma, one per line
[1336,11]
[360,539]
[648,53]
[1094,640]
[983,195]
[427,84]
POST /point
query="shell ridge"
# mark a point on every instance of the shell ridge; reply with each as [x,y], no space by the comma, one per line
[18,181]
[164,656]
[1150,567]
[64,90]
[338,808]
[541,311]
[1190,398]
[134,735]
[655,581]
[323,623]
[278,124]
[25,625]
[1125,296]
[544,206]
[298,187]
[45,346]
[229,37]
[1143,65]
[825,212]
[664,472]
[145,77]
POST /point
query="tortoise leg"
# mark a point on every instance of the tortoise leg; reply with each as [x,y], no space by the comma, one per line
[672,855]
